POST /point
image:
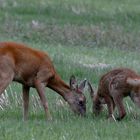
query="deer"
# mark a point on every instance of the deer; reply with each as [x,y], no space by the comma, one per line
[113,87]
[33,68]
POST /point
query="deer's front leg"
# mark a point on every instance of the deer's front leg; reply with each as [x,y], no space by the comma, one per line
[40,87]
[25,90]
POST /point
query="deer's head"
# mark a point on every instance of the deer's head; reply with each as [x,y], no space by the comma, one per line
[76,98]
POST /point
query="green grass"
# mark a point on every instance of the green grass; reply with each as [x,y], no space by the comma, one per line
[84,38]
[69,129]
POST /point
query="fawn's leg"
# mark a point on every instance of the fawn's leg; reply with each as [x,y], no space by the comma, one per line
[110,105]
[118,100]
[135,97]
[25,90]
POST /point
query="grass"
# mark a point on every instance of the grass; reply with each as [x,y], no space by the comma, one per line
[84,38]
[90,23]
[60,130]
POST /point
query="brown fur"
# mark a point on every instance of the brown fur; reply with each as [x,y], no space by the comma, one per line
[33,68]
[113,87]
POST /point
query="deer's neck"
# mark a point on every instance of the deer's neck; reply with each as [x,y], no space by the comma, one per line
[58,85]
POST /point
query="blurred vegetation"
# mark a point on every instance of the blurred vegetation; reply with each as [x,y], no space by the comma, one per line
[88,23]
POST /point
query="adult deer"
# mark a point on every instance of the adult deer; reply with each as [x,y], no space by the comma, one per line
[33,68]
[113,87]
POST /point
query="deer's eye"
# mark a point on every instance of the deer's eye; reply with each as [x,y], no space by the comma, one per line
[81,103]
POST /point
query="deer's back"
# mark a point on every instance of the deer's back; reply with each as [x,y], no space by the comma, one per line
[25,61]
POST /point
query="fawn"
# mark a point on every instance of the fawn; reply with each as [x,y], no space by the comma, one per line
[113,87]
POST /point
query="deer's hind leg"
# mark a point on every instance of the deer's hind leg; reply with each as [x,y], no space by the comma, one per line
[6,72]
[6,78]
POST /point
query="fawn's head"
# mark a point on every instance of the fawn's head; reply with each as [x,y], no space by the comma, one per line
[76,98]
[96,99]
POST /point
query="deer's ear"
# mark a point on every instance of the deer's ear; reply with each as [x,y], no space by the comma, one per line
[82,85]
[90,90]
[73,82]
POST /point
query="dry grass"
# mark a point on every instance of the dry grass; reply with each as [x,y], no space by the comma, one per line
[89,36]
[11,99]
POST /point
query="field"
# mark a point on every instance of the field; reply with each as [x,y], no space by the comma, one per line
[83,38]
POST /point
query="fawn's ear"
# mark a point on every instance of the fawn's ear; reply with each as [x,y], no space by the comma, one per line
[133,82]
[82,85]
[73,82]
[91,91]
